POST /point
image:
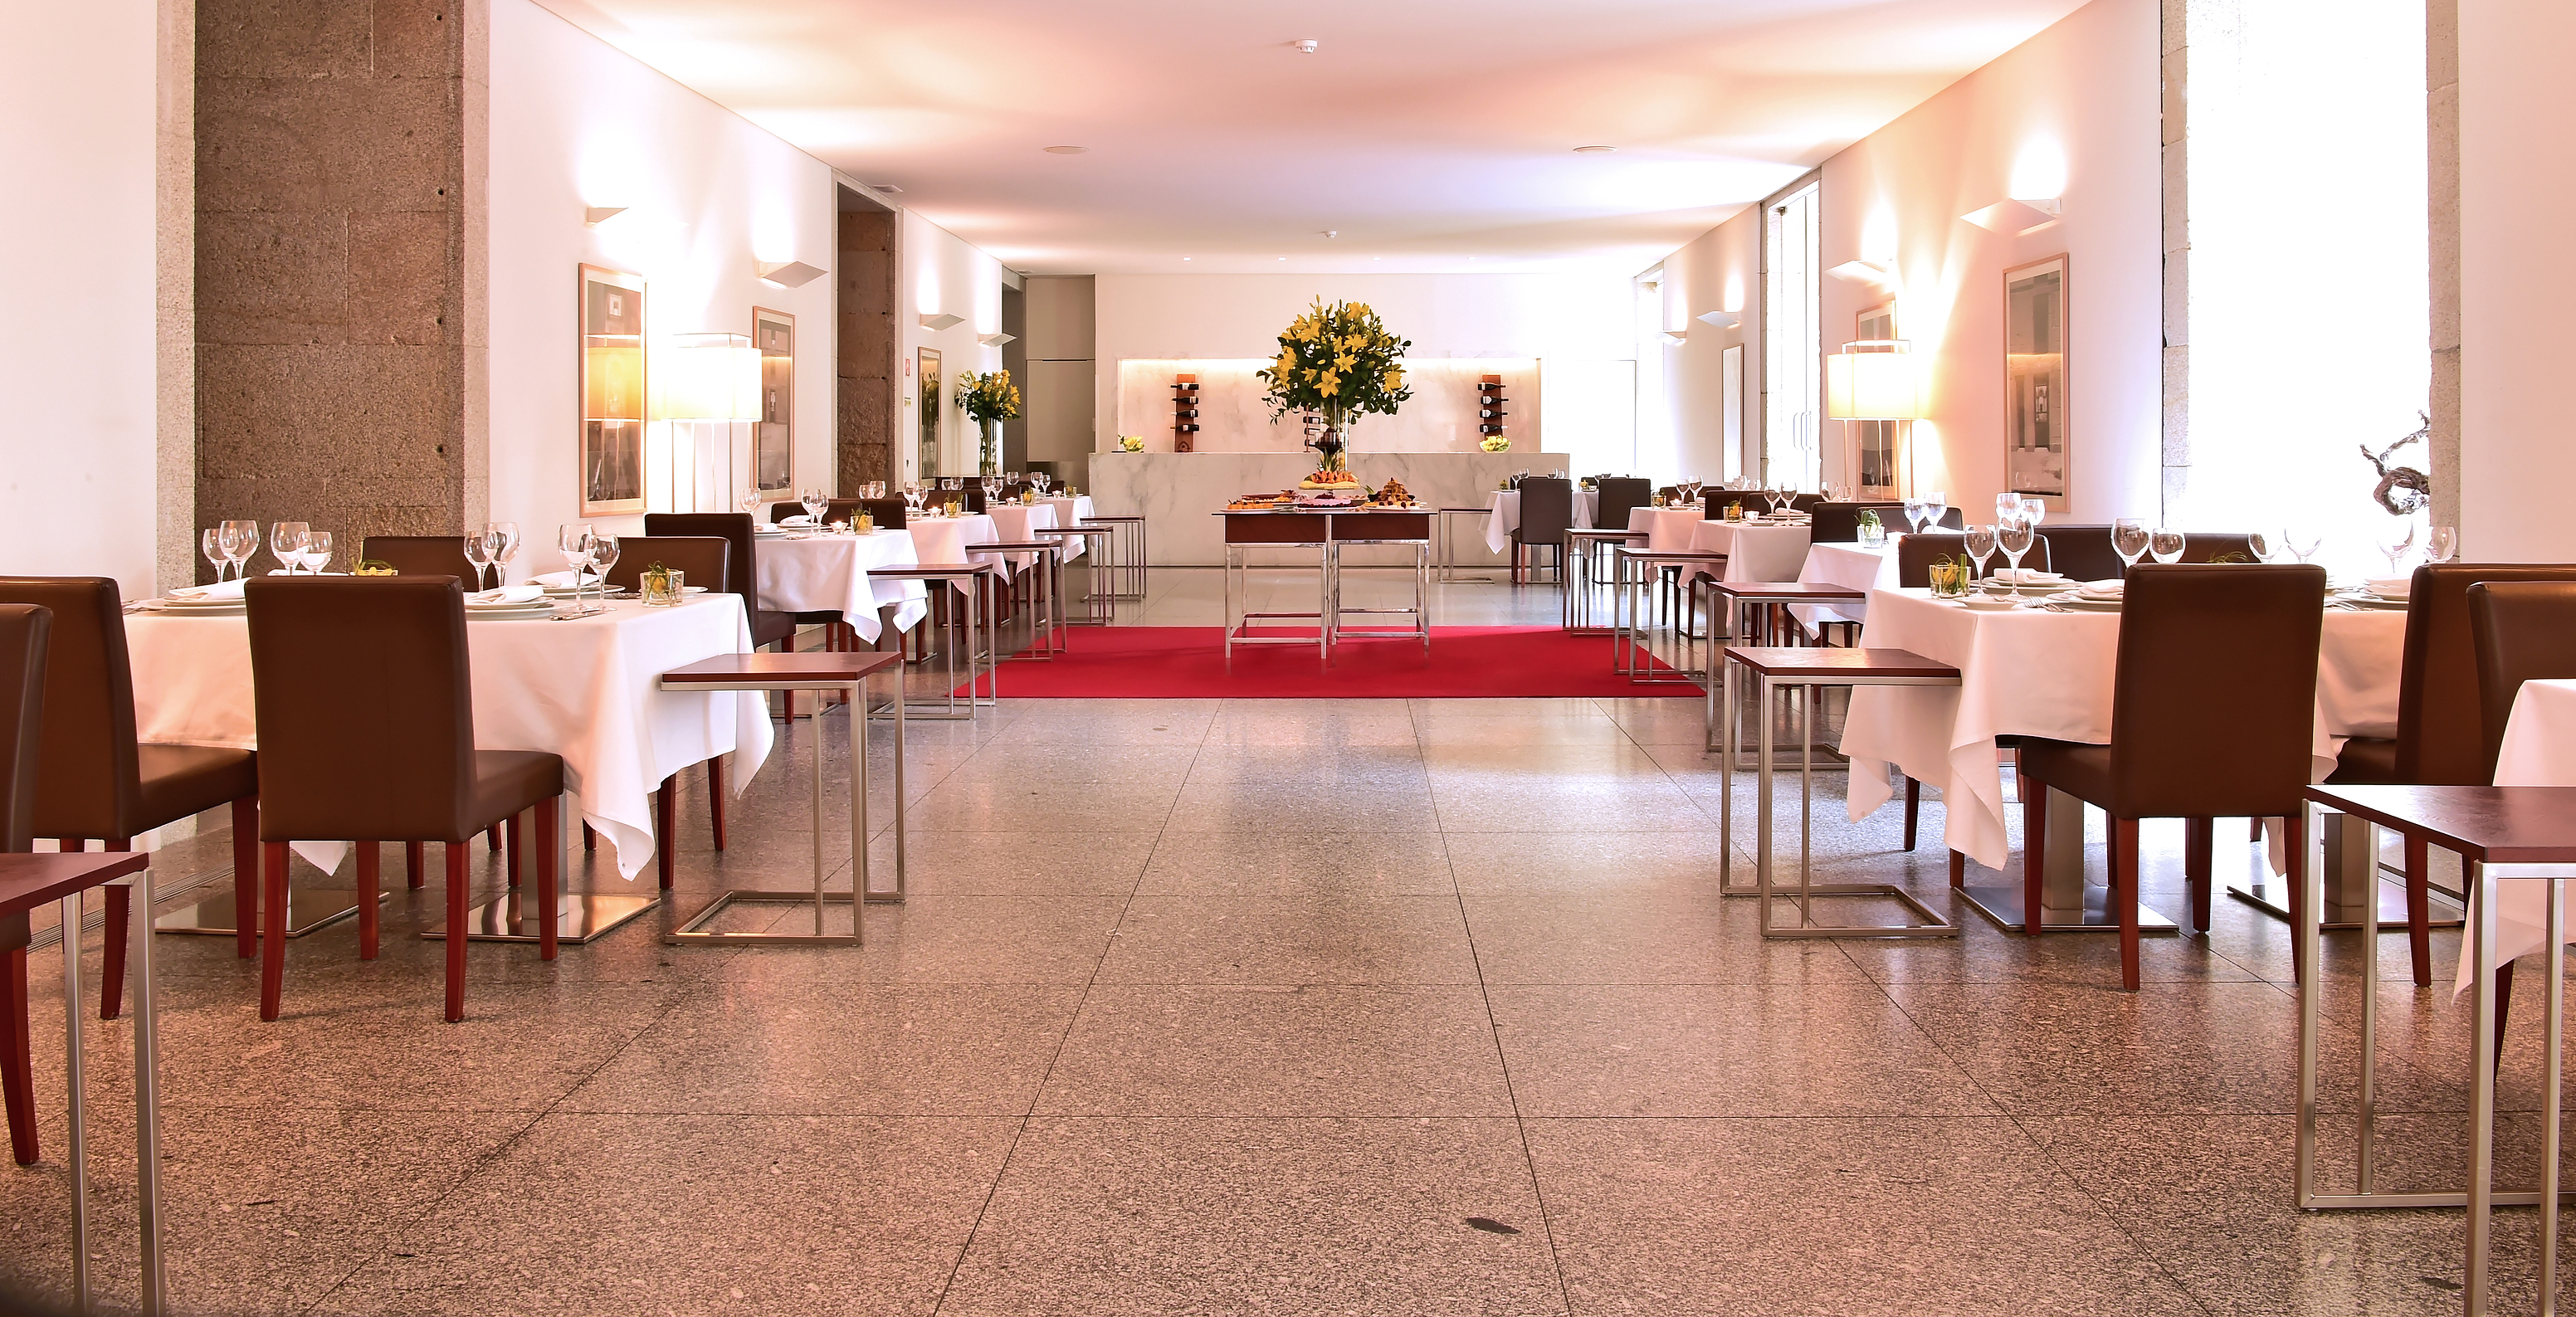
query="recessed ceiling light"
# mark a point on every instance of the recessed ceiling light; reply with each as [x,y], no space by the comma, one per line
[1066,150]
[1306,47]
[1185,258]
[1283,258]
[1596,150]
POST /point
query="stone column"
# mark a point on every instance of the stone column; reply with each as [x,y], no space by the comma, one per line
[338,274]
[864,444]
[2174,49]
[2442,231]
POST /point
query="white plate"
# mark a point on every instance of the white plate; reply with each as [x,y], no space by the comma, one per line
[2087,605]
[215,608]
[1982,605]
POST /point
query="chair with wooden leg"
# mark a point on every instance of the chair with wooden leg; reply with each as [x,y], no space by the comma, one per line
[24,633]
[99,782]
[2212,714]
[2524,630]
[365,703]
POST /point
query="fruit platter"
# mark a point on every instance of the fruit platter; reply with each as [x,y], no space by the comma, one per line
[1326,478]
[1393,494]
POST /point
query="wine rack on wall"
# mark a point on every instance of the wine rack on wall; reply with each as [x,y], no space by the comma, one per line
[1489,405]
[1185,413]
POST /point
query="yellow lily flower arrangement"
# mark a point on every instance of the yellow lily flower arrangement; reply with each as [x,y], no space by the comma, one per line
[1338,361]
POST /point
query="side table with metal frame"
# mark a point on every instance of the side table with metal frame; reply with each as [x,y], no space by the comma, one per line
[1128,563]
[1585,547]
[1446,564]
[825,671]
[1392,528]
[1629,656]
[985,667]
[1246,531]
[1102,588]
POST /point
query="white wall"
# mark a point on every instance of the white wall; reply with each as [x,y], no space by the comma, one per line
[78,489]
[1237,317]
[943,273]
[1719,269]
[2084,92]
[575,124]
[2517,272]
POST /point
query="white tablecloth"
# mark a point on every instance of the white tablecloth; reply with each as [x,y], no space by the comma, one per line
[1071,512]
[1507,516]
[1754,552]
[942,541]
[1667,530]
[2033,673]
[829,574]
[1018,523]
[1852,567]
[2539,750]
[587,690]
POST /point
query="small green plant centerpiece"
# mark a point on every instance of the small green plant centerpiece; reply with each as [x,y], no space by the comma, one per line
[991,399]
[373,567]
[1338,362]
[1871,532]
[1949,577]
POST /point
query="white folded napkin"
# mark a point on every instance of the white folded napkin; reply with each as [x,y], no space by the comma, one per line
[2102,589]
[800,519]
[508,594]
[2390,587]
[220,590]
[2025,576]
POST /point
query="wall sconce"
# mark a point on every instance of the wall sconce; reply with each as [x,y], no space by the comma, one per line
[2016,216]
[788,274]
[1866,272]
[704,379]
[1676,336]
[594,216]
[1874,380]
[996,340]
[1721,319]
[940,320]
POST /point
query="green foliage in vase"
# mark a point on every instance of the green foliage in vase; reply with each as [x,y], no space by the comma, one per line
[988,397]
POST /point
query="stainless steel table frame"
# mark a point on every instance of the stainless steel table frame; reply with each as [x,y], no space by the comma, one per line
[1129,564]
[1447,563]
[1100,590]
[2487,865]
[1379,526]
[848,677]
[981,601]
[1046,600]
[1630,619]
[1246,531]
[1585,547]
[1894,668]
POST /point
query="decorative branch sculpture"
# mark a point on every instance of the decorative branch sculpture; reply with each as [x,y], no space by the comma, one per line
[2402,490]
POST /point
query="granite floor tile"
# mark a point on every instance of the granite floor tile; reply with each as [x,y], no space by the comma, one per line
[1298,1218]
[1312,940]
[1273,862]
[1585,862]
[1641,939]
[1042,861]
[1045,940]
[1402,805]
[1819,1049]
[1018,804]
[1278,1052]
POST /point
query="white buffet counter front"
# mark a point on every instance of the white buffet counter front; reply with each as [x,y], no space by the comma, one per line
[1178,493]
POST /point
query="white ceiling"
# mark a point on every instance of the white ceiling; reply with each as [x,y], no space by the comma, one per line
[1434,135]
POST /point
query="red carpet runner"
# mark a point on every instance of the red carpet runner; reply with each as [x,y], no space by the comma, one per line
[1188,663]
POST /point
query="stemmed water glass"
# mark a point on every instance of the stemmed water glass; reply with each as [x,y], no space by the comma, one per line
[317,551]
[816,503]
[750,501]
[1936,505]
[509,549]
[2441,543]
[2395,544]
[2007,507]
[2165,544]
[240,540]
[211,543]
[286,542]
[478,553]
[2033,511]
[603,555]
[2301,541]
[1913,514]
[2263,547]
[1979,541]
[2014,538]
[574,539]
[2129,540]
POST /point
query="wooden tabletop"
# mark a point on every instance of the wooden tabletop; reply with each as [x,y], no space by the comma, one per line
[750,670]
[2492,825]
[28,881]
[1829,663]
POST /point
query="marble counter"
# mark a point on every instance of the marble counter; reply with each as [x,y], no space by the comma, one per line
[1176,493]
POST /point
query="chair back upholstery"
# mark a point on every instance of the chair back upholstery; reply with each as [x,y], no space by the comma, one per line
[24,629]
[704,558]
[734,528]
[2084,551]
[90,778]
[1839,523]
[1915,555]
[887,511]
[1620,495]
[366,708]
[421,555]
[2440,729]
[2212,545]
[2525,631]
[1547,510]
[2214,707]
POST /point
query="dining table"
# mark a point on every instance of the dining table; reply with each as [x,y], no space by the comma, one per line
[1506,507]
[2035,672]
[827,572]
[1755,551]
[587,688]
[1853,566]
[2538,750]
[942,541]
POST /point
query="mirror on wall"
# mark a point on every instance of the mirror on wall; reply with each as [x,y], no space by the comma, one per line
[611,445]
[773,437]
[1874,442]
[2035,380]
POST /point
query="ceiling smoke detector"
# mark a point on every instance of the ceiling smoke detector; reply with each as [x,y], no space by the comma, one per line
[1306,47]
[1066,150]
[1332,233]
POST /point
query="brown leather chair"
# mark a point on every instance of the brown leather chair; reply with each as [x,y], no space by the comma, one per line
[1547,514]
[887,511]
[24,630]
[702,559]
[2525,631]
[742,576]
[99,782]
[2179,623]
[2438,739]
[1620,495]
[423,555]
[1915,555]
[377,744]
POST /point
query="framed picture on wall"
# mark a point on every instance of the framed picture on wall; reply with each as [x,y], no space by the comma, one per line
[2035,415]
[1730,393]
[1874,442]
[611,443]
[773,447]
[930,382]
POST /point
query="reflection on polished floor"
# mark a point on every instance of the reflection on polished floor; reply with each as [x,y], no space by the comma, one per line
[1276,1007]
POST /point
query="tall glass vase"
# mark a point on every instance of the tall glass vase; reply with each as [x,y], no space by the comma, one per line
[989,461]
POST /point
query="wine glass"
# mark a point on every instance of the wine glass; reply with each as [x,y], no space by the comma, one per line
[478,553]
[2032,510]
[1045,481]
[2165,544]
[1913,514]
[240,541]
[816,504]
[2007,508]
[2014,538]
[603,555]
[1936,505]
[2129,540]
[2395,543]
[211,543]
[1980,544]
[750,502]
[286,543]
[2265,548]
[573,539]
[2441,543]
[2301,541]
[509,533]
[317,551]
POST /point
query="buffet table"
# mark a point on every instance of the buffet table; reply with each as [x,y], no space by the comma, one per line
[1173,491]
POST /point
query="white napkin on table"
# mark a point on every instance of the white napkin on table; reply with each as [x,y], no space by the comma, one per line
[220,590]
[2111,589]
[2025,576]
[800,519]
[564,580]
[508,594]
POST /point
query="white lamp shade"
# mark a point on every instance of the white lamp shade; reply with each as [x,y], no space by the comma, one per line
[1872,386]
[709,377]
